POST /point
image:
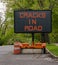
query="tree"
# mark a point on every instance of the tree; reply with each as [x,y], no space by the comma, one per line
[29,4]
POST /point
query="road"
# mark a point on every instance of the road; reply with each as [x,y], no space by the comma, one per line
[8,58]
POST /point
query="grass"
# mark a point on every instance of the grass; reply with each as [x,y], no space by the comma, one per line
[53,49]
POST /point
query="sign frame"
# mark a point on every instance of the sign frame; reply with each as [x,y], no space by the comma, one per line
[33,31]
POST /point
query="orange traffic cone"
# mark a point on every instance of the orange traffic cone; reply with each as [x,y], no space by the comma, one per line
[17,49]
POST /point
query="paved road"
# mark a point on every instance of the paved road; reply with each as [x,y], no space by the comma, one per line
[8,58]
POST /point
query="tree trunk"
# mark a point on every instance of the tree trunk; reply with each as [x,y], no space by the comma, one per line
[45,38]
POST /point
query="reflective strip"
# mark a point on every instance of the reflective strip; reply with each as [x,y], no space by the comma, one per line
[20,44]
[16,48]
[16,44]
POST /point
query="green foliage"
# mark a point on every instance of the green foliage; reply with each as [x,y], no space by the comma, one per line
[7,35]
[53,49]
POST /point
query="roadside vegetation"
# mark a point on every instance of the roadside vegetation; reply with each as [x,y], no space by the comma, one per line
[7,35]
[53,49]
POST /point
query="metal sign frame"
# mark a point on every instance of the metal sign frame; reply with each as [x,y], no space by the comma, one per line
[32,21]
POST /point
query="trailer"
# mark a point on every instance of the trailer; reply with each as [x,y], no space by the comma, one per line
[32,21]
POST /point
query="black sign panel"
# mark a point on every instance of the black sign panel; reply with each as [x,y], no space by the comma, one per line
[32,21]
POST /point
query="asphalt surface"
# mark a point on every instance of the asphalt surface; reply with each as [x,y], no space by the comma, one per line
[8,58]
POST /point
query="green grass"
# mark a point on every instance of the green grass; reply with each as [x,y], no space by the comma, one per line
[53,49]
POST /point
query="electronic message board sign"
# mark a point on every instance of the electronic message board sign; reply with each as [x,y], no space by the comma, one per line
[32,21]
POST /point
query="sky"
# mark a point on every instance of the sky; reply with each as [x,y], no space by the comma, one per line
[2,10]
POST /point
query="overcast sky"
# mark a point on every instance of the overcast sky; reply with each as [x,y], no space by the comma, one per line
[2,10]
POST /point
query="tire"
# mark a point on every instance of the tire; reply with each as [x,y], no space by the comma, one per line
[44,50]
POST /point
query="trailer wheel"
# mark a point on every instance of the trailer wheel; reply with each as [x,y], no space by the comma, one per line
[44,50]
